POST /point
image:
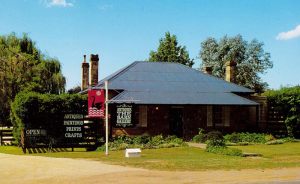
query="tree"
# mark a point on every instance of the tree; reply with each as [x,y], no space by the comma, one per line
[169,51]
[251,59]
[74,90]
[23,67]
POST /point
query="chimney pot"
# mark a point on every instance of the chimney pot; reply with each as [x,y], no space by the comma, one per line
[84,58]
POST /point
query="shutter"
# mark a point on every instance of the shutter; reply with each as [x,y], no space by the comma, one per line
[209,116]
[226,112]
[143,115]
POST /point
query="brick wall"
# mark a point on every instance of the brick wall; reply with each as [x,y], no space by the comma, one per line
[194,117]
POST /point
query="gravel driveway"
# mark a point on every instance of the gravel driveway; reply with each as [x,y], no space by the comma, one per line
[36,169]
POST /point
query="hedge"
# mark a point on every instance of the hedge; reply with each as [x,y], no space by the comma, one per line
[34,110]
[287,101]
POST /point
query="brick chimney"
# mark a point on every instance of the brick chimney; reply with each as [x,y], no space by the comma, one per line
[84,74]
[207,70]
[230,71]
[94,69]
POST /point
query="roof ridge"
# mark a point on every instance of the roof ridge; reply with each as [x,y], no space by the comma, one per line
[116,74]
[123,70]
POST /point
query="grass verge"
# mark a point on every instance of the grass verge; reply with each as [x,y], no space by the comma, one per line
[189,158]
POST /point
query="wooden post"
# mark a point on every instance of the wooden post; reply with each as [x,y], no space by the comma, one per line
[0,137]
[23,141]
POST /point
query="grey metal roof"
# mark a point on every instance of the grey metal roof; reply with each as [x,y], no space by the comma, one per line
[172,83]
[186,98]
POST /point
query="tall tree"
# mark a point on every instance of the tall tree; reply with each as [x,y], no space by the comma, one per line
[22,66]
[169,51]
[250,57]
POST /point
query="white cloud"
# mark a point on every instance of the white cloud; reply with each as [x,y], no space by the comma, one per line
[105,7]
[62,3]
[294,33]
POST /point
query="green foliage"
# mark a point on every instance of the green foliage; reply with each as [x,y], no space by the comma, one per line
[233,138]
[74,90]
[251,59]
[224,150]
[216,144]
[286,101]
[24,67]
[144,142]
[247,138]
[200,137]
[238,144]
[215,139]
[169,51]
[290,139]
[34,110]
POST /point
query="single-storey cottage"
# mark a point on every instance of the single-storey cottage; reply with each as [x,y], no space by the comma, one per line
[173,99]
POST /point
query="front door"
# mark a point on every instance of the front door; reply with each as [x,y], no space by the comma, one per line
[176,122]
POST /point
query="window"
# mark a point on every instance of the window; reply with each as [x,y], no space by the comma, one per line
[142,116]
[218,116]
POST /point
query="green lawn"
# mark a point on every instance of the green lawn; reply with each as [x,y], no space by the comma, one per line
[189,158]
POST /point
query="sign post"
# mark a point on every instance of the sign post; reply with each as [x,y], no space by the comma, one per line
[106,118]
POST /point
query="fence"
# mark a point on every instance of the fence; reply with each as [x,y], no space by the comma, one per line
[40,139]
[6,136]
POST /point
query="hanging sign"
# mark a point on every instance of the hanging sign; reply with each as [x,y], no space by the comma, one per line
[124,113]
[96,103]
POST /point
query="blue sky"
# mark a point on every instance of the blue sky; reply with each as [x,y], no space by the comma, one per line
[127,30]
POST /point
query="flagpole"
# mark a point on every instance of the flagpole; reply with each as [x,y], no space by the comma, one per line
[106,118]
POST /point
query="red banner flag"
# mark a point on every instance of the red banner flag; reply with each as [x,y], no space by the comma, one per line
[96,103]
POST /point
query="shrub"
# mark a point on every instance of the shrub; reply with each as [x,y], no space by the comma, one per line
[141,139]
[248,138]
[289,139]
[224,150]
[200,137]
[234,138]
[269,137]
[216,144]
[215,138]
[156,140]
[144,142]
